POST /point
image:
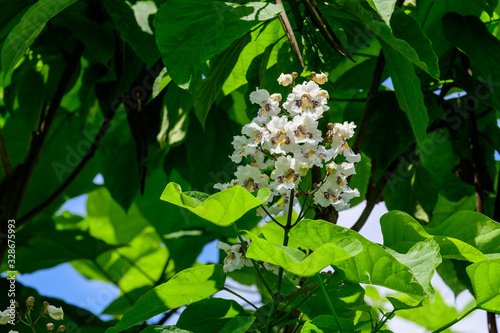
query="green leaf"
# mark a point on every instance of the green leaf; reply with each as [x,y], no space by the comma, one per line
[373,265]
[472,37]
[327,324]
[403,304]
[485,277]
[401,232]
[164,329]
[24,33]
[422,258]
[384,8]
[238,324]
[209,315]
[207,89]
[408,92]
[472,228]
[202,30]
[222,208]
[188,286]
[296,262]
[387,121]
[345,296]
[489,6]
[160,83]
[142,43]
[406,28]
[411,45]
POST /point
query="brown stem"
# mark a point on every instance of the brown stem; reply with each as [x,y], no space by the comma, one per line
[38,138]
[289,32]
[324,28]
[5,162]
[371,101]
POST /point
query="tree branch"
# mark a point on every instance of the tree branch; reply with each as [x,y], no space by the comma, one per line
[371,101]
[289,32]
[152,73]
[5,162]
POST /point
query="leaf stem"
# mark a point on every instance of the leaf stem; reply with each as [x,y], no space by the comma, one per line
[238,235]
[272,218]
[243,298]
[382,323]
[453,322]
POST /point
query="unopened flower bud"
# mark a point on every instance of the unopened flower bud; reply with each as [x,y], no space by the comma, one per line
[320,78]
[276,97]
[50,326]
[324,93]
[295,74]
[61,328]
[297,195]
[315,186]
[285,80]
[330,125]
[30,301]
[313,74]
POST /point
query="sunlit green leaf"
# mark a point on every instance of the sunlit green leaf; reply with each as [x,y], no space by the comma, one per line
[222,208]
[188,286]
[485,277]
[204,30]
[384,8]
[327,324]
[24,33]
[373,265]
[296,262]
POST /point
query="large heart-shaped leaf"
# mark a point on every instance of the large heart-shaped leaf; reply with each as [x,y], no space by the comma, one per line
[222,208]
[401,231]
[373,265]
[296,262]
[188,286]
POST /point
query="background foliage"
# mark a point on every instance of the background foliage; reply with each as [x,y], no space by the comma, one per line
[150,92]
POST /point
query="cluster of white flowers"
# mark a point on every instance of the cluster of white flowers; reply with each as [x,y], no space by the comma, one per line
[286,136]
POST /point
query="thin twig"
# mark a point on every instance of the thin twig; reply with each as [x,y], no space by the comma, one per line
[244,299]
[272,218]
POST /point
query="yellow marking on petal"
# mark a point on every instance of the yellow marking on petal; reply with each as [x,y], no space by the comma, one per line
[257,140]
[264,111]
[342,184]
[301,135]
[243,153]
[346,146]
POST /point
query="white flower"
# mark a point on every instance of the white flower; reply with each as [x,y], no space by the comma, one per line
[305,129]
[279,137]
[241,148]
[308,98]
[251,178]
[55,313]
[5,317]
[339,134]
[256,133]
[258,160]
[335,191]
[222,186]
[320,78]
[284,174]
[259,96]
[235,256]
[314,154]
[285,79]
[11,331]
